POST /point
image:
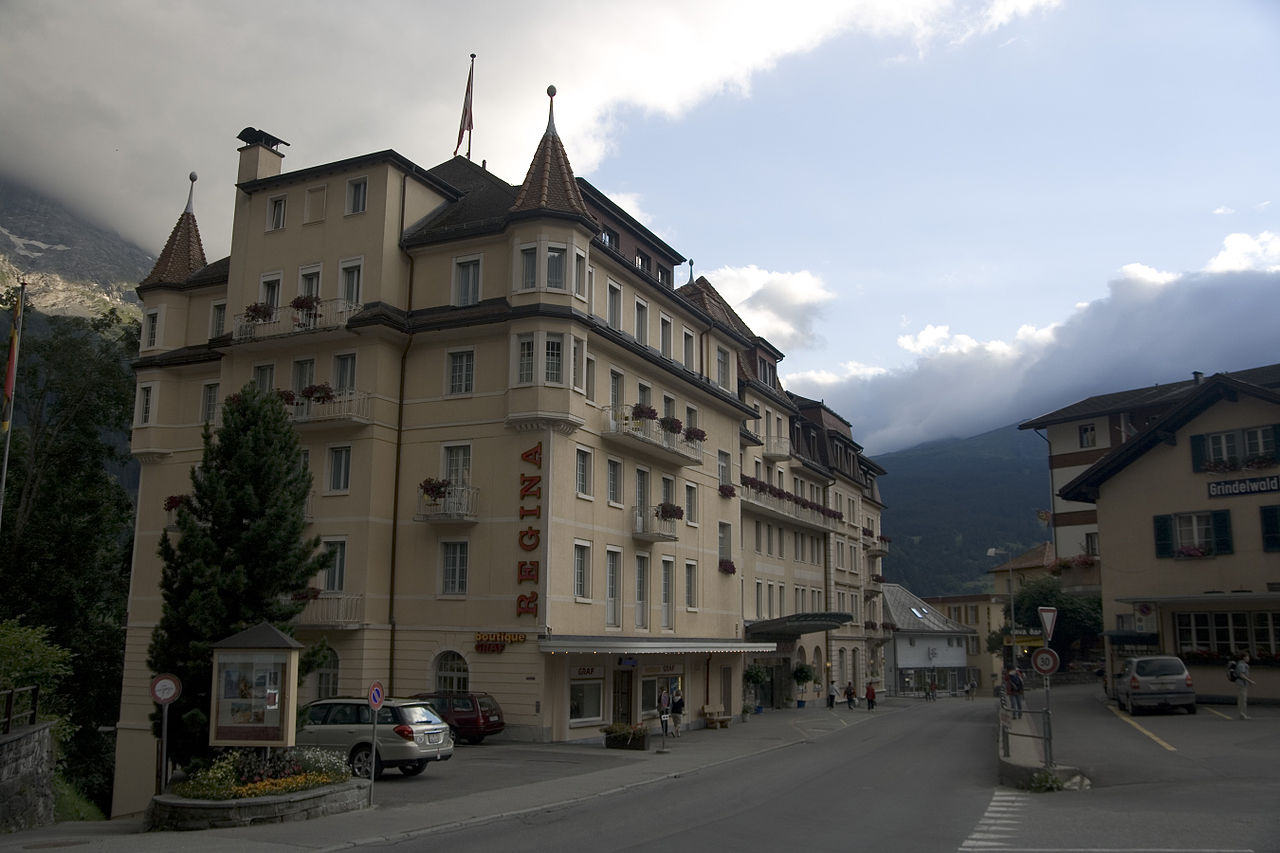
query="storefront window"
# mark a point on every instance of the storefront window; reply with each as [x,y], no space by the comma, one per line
[586,700]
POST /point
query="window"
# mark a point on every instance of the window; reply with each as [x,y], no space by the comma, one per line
[1091,544]
[690,584]
[1193,534]
[590,379]
[690,351]
[217,319]
[577,357]
[270,290]
[327,676]
[1088,438]
[304,375]
[340,468]
[759,599]
[1270,528]
[453,565]
[462,367]
[264,376]
[642,261]
[344,373]
[275,213]
[553,369]
[524,359]
[612,587]
[581,570]
[642,323]
[528,268]
[357,195]
[452,675]
[583,472]
[613,475]
[309,280]
[664,277]
[759,538]
[209,403]
[691,503]
[768,539]
[642,488]
[466,285]
[555,268]
[799,600]
[668,592]
[725,541]
[313,203]
[580,275]
[586,700]
[152,334]
[1260,441]
[335,575]
[722,367]
[610,238]
[146,396]
[457,464]
[642,591]
[668,490]
[352,273]
[1222,451]
[1222,447]
[644,394]
[613,307]
[615,389]
[722,468]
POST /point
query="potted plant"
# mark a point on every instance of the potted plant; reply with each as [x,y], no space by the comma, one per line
[669,511]
[727,490]
[747,708]
[626,736]
[802,675]
[259,312]
[728,567]
[321,393]
[641,412]
[670,424]
[305,302]
[286,396]
[433,489]
[174,501]
[693,433]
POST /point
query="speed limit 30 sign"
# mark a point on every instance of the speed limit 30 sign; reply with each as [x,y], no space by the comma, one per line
[1045,661]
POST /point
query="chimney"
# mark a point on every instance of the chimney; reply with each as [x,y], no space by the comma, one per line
[259,157]
[1197,376]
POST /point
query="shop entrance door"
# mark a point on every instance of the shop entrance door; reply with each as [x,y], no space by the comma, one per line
[622,695]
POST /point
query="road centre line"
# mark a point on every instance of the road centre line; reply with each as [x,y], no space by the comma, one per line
[1145,731]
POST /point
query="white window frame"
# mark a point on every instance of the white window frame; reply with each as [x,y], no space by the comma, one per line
[145,414]
[577,364]
[462,297]
[562,251]
[691,504]
[665,331]
[690,350]
[270,288]
[614,485]
[580,275]
[341,374]
[690,585]
[456,462]
[218,318]
[583,462]
[667,582]
[151,329]
[526,364]
[304,274]
[209,402]
[613,306]
[453,579]
[613,587]
[344,280]
[338,473]
[334,578]
[581,570]
[268,370]
[277,212]
[723,373]
[455,383]
[357,200]
[589,688]
[641,318]
[526,263]
[553,367]
[642,565]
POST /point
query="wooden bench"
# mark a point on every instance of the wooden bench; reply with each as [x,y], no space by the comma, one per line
[715,716]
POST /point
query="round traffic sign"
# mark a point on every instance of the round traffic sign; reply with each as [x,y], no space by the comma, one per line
[375,695]
[1045,661]
[165,688]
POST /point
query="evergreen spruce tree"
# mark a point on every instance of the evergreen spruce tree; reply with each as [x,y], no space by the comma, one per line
[239,557]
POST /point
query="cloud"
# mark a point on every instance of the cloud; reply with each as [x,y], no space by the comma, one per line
[1152,327]
[140,93]
[781,307]
[1223,211]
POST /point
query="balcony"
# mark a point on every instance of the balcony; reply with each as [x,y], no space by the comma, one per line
[260,320]
[776,447]
[647,437]
[877,546]
[780,507]
[332,610]
[458,505]
[650,528]
[350,406]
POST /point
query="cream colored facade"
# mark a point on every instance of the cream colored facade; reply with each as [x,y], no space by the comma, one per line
[499,338]
[984,613]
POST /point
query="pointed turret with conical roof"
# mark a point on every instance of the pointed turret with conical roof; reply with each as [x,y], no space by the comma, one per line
[549,187]
[183,254]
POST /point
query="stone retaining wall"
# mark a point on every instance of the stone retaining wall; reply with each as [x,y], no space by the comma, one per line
[169,812]
[26,778]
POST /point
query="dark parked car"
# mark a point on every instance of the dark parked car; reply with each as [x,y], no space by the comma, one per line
[471,716]
[410,734]
[1159,681]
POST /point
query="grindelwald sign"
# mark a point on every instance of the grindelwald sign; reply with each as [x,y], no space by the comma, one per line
[1245,486]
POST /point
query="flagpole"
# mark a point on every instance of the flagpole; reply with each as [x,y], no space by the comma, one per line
[470,119]
[10,387]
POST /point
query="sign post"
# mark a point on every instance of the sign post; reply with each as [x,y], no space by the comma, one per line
[1046,662]
[375,703]
[165,689]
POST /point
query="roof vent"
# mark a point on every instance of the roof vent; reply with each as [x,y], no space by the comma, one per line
[1197,376]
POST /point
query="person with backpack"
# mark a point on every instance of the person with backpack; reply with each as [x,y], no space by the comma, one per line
[1013,687]
[1238,671]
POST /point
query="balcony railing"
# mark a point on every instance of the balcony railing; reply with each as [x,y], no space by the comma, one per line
[333,610]
[789,510]
[777,447]
[285,320]
[353,406]
[651,528]
[877,546]
[646,434]
[459,504]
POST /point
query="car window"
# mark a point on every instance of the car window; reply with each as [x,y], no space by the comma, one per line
[416,714]
[342,715]
[386,716]
[316,714]
[461,703]
[488,705]
[1160,666]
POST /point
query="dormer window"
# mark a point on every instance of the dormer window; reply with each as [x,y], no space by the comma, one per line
[610,238]
[642,261]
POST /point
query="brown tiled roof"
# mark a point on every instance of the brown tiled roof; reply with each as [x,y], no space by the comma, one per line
[183,254]
[706,297]
[550,184]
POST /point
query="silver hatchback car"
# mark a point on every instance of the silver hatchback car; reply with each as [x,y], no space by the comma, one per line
[410,734]
[1160,681]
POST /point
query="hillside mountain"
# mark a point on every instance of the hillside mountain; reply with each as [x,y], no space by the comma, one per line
[947,502]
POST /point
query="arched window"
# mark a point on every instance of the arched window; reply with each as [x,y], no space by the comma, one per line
[451,673]
[327,676]
[800,655]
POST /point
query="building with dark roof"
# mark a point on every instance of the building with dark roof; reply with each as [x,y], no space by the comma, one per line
[925,647]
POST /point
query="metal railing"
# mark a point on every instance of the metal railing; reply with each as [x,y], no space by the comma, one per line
[1008,714]
[332,608]
[285,320]
[9,700]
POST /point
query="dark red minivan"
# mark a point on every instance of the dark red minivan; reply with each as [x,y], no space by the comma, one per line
[471,716]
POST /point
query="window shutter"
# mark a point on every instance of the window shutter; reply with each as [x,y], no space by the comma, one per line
[1222,532]
[1271,528]
[1164,535]
[1197,452]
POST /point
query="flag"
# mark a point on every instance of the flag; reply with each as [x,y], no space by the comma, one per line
[466,124]
[11,368]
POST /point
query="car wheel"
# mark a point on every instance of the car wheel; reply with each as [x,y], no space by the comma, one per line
[453,733]
[361,759]
[413,769]
[476,739]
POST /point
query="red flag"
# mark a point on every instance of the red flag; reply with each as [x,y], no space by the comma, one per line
[11,370]
[466,123]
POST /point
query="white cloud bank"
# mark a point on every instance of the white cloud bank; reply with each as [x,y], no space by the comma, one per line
[1152,327]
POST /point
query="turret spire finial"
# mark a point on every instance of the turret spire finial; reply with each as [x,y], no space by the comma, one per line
[191,193]
[551,111]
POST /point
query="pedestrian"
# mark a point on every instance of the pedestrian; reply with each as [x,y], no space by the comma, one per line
[1013,690]
[970,689]
[850,698]
[831,694]
[664,709]
[1242,685]
[871,697]
[933,691]
[677,711]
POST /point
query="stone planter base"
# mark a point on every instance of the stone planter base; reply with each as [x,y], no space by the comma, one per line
[169,812]
[622,742]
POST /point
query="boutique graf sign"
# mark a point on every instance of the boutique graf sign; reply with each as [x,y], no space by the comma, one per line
[1244,486]
[529,538]
[496,641]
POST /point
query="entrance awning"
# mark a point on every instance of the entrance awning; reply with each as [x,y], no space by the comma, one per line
[614,645]
[796,625]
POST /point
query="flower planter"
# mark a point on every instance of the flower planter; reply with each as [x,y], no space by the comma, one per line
[640,742]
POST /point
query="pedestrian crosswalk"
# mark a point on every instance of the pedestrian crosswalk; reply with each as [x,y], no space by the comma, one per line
[999,824]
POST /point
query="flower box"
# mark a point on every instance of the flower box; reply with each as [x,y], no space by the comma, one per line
[669,512]
[286,396]
[670,424]
[727,491]
[174,501]
[305,302]
[869,625]
[433,489]
[644,413]
[259,312]
[321,393]
[694,433]
[728,567]
[640,742]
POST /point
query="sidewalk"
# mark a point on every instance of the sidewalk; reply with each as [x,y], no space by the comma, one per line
[693,751]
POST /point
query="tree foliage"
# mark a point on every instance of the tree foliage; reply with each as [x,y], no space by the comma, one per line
[239,557]
[67,524]
[1079,616]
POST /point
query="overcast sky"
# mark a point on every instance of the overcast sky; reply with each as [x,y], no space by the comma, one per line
[950,215]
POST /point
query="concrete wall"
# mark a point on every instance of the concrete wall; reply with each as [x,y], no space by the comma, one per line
[26,778]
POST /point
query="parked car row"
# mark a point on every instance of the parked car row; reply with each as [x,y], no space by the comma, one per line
[411,732]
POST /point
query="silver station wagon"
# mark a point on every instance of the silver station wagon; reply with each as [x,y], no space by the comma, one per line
[1160,681]
[410,734]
